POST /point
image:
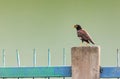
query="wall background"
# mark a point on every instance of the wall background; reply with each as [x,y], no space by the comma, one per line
[43,24]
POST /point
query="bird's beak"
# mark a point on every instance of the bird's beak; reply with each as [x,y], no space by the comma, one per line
[74,26]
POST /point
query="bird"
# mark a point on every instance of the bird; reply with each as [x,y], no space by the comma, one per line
[83,35]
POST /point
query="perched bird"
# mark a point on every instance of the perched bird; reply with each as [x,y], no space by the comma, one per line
[83,35]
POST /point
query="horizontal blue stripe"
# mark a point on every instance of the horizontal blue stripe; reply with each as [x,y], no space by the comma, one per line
[11,72]
[110,72]
[56,71]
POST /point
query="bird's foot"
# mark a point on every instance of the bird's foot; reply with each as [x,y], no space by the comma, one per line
[86,44]
[80,44]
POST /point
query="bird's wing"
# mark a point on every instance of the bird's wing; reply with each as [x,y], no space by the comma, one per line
[84,35]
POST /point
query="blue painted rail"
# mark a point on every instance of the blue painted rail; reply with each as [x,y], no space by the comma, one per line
[26,72]
[110,72]
[57,71]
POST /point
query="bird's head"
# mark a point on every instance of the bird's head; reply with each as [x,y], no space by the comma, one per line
[78,27]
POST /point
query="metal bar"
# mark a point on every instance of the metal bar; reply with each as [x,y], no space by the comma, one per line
[49,60]
[3,51]
[30,72]
[110,72]
[56,71]
[18,58]
[34,57]
[64,58]
[117,59]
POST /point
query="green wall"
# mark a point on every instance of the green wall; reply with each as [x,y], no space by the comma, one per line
[43,24]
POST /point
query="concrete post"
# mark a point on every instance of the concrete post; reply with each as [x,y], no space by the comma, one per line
[85,62]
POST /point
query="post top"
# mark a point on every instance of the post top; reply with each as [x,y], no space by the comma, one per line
[87,47]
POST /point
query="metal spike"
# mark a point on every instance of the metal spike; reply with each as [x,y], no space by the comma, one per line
[18,58]
[34,57]
[3,51]
[118,58]
[49,59]
[64,57]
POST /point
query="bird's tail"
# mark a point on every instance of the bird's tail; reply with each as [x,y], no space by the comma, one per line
[92,42]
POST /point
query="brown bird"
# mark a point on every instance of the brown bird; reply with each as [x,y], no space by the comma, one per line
[83,35]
